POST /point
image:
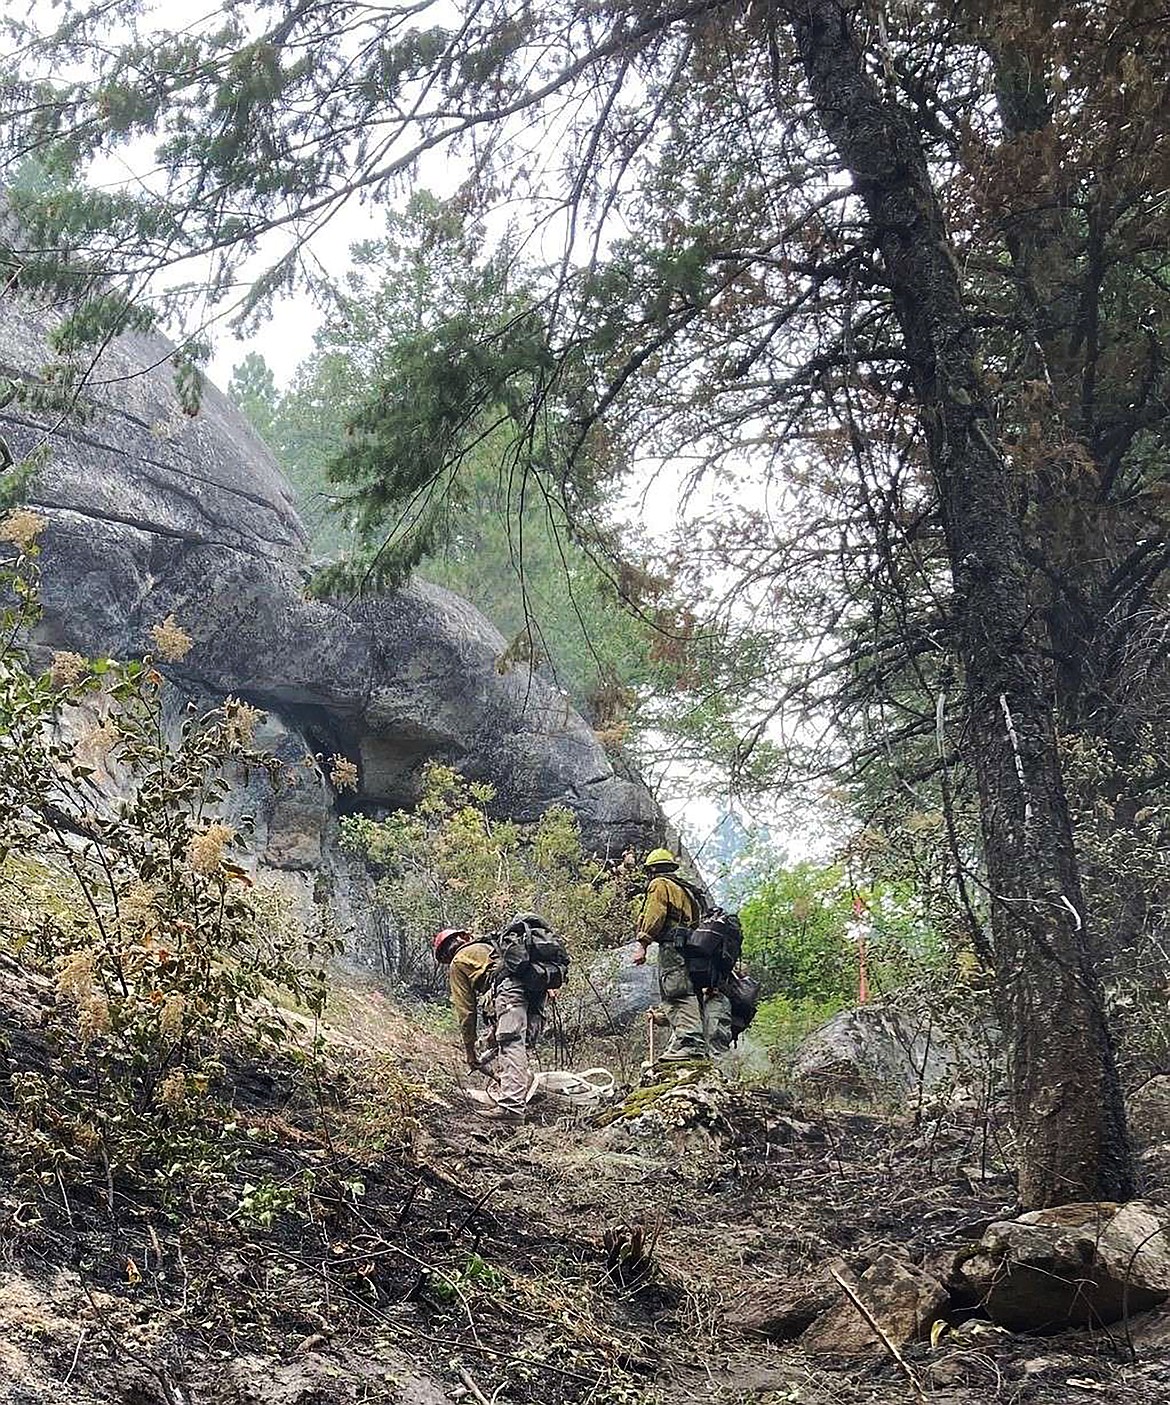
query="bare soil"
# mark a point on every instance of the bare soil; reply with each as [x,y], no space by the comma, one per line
[415,1254]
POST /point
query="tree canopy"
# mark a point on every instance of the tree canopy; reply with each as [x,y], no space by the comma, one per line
[478,533]
[889,280]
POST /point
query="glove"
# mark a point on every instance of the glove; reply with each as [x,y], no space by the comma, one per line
[639,957]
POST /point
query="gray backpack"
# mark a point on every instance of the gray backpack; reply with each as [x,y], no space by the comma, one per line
[532,953]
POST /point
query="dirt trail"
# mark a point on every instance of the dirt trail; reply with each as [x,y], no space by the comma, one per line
[419,1255]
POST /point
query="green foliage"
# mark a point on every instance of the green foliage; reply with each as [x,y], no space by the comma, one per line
[17,476]
[261,1203]
[783,1021]
[399,434]
[724,295]
[119,878]
[448,863]
[796,933]
[801,938]
[253,388]
[475,1273]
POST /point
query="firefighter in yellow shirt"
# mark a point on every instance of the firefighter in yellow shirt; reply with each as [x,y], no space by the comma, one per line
[700,1016]
[514,1015]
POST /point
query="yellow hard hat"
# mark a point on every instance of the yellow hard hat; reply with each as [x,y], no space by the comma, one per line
[660,858]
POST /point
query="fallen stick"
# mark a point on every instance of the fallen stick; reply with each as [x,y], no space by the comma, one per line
[76,1357]
[903,1364]
[466,1378]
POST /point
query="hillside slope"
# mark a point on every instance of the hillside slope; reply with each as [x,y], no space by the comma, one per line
[378,1244]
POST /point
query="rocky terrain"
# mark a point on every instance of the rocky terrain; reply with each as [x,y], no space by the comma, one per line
[694,1240]
[154,513]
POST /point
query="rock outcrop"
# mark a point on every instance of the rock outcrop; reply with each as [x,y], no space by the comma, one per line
[153,512]
[879,1053]
[1072,1265]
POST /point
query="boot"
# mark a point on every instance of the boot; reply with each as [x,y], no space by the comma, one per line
[493,1112]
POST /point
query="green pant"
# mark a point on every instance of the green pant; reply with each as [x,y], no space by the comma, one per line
[699,1029]
[717,1022]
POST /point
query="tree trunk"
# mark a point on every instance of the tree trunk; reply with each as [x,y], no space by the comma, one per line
[1067,1101]
[1092,619]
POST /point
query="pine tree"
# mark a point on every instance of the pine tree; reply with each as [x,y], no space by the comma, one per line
[795,240]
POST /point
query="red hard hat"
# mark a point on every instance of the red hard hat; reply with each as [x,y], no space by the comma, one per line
[443,937]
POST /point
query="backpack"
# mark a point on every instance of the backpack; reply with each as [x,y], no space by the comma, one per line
[744,994]
[696,895]
[712,950]
[532,953]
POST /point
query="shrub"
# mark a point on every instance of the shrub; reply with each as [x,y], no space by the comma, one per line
[796,928]
[801,937]
[119,875]
[450,863]
[783,1022]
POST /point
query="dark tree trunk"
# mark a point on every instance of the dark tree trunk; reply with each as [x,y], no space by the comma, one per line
[1067,1099]
[1090,614]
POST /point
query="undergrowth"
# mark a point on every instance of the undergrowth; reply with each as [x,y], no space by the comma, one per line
[122,880]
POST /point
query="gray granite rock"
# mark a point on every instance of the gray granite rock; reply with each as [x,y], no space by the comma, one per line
[153,512]
[1071,1265]
[879,1052]
[899,1296]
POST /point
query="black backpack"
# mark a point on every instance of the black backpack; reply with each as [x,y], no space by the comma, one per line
[712,952]
[744,994]
[714,947]
[532,953]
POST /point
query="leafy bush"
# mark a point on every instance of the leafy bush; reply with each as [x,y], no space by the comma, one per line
[449,863]
[796,934]
[119,875]
[783,1022]
[801,939]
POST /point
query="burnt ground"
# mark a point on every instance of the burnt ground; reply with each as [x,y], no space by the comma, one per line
[378,1243]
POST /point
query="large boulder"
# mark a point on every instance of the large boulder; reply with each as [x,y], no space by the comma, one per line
[1072,1265]
[878,1052]
[153,512]
[615,990]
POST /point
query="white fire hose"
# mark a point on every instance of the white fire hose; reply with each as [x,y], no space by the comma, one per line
[580,1091]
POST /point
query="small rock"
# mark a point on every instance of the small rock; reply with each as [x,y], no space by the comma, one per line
[789,1129]
[902,1299]
[1150,1331]
[782,1309]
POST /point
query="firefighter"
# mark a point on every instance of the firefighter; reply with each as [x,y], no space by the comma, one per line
[511,1009]
[698,1012]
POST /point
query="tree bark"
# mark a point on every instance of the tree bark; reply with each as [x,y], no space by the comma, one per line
[1067,1100]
